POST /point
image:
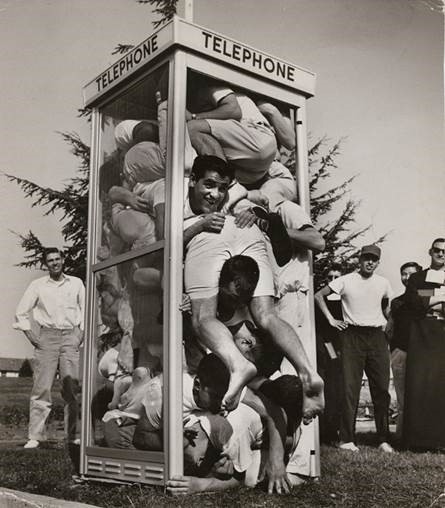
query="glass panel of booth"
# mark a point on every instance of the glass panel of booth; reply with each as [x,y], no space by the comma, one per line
[128,265]
[129,350]
[133,151]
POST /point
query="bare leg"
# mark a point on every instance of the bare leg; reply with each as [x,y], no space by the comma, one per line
[285,338]
[219,340]
[202,140]
[120,386]
[131,399]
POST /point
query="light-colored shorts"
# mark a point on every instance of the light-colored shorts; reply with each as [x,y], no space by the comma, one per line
[207,252]
[250,145]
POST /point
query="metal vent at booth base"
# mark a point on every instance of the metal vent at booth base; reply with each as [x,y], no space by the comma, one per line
[127,471]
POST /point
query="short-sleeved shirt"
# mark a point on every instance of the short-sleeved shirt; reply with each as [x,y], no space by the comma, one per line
[247,436]
[362,297]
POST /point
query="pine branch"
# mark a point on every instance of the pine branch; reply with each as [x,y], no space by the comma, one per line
[165,8]
[122,49]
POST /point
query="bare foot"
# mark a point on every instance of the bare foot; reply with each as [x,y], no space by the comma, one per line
[238,380]
[313,397]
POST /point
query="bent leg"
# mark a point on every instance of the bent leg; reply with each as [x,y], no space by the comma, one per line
[202,140]
[286,339]
[216,337]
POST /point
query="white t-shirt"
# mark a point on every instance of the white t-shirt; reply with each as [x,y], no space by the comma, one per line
[247,435]
[361,298]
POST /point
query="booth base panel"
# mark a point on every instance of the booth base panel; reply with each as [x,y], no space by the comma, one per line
[124,470]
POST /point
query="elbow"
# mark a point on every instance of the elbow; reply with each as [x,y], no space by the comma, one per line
[113,193]
[318,244]
[236,112]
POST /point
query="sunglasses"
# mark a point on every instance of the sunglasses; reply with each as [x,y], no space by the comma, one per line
[436,250]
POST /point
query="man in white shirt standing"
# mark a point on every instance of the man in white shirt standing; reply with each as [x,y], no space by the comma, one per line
[56,303]
[365,300]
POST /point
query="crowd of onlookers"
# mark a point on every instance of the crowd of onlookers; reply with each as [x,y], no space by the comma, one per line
[250,390]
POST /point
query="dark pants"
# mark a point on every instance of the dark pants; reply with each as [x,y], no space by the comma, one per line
[364,348]
[330,371]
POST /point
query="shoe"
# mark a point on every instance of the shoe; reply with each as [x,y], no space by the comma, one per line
[32,443]
[386,448]
[348,446]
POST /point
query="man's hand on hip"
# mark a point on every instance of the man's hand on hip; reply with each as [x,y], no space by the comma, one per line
[32,337]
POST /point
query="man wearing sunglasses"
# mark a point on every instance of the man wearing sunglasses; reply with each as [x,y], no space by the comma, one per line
[362,342]
[425,369]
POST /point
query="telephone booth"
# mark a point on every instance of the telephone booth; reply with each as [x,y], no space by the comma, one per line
[135,261]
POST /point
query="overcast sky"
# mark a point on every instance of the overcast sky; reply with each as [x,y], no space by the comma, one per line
[379,66]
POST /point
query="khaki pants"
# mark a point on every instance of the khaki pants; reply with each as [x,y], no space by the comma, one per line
[56,348]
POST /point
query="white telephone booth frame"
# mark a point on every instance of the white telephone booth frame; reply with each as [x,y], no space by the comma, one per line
[183,46]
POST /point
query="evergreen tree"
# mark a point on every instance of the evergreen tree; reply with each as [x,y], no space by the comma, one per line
[339,231]
[72,200]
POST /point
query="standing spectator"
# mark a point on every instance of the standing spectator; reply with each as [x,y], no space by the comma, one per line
[365,302]
[328,361]
[424,416]
[397,330]
[57,304]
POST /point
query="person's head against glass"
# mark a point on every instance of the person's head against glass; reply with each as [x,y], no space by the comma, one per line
[369,260]
[209,183]
[237,281]
[211,383]
[407,269]
[53,259]
[437,253]
[204,440]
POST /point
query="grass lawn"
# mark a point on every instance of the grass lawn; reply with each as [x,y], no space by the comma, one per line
[366,479]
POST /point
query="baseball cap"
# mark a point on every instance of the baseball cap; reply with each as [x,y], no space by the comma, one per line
[371,249]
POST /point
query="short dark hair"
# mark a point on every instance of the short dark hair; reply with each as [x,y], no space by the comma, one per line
[244,271]
[213,373]
[410,264]
[287,392]
[50,250]
[203,163]
[437,240]
[109,339]
[146,130]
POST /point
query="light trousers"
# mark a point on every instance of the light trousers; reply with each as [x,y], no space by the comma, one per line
[56,349]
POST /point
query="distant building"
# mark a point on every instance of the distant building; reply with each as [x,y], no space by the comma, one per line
[10,367]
